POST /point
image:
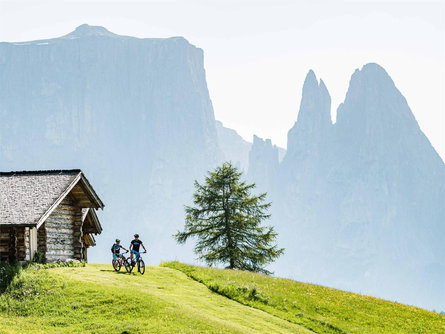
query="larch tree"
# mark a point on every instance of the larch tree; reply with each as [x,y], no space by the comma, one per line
[226,221]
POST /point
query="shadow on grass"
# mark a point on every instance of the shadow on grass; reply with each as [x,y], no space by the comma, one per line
[7,273]
[117,272]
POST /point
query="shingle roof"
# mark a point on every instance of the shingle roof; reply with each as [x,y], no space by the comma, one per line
[26,196]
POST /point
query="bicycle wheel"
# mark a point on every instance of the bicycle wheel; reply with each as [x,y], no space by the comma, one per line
[141,267]
[128,266]
[117,265]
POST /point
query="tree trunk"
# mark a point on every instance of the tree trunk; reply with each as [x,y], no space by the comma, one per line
[228,232]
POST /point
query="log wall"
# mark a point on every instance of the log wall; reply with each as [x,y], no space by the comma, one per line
[41,239]
[12,244]
[63,230]
[21,246]
[4,243]
[27,244]
[60,237]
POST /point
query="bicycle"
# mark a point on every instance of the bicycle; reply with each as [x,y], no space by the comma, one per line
[121,260]
[140,263]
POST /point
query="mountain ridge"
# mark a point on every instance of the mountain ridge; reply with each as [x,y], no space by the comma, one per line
[90,31]
[361,201]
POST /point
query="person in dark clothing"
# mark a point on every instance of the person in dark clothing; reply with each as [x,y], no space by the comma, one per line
[135,245]
[116,248]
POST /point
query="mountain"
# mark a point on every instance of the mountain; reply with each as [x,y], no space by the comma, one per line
[359,204]
[390,171]
[263,164]
[237,150]
[134,114]
[234,148]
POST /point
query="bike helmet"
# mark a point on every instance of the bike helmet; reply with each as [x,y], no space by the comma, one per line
[136,235]
[117,240]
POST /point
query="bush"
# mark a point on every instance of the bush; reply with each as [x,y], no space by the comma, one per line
[9,271]
[38,257]
[29,283]
[7,274]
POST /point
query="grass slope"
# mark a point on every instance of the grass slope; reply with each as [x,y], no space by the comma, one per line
[320,309]
[95,299]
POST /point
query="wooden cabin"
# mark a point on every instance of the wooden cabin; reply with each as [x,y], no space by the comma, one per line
[53,212]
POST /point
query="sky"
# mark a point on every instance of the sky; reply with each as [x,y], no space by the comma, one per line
[257,53]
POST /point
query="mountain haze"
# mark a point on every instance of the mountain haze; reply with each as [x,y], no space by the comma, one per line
[134,114]
[359,204]
[234,147]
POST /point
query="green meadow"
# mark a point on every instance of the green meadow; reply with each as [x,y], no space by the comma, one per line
[95,299]
[320,309]
[177,298]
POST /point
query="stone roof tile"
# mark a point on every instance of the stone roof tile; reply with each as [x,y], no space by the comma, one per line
[26,196]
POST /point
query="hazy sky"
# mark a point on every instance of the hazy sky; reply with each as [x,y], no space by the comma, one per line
[257,53]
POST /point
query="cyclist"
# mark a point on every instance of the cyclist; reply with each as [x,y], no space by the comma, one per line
[134,247]
[116,248]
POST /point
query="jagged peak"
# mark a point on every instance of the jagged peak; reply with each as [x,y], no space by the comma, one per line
[265,143]
[310,82]
[385,103]
[315,100]
[311,78]
[374,72]
[371,74]
[265,149]
[373,67]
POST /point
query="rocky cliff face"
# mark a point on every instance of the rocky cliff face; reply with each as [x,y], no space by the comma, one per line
[359,205]
[263,164]
[234,148]
[390,193]
[135,114]
[314,124]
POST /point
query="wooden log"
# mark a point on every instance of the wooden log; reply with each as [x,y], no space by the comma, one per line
[56,237]
[60,253]
[54,258]
[60,222]
[61,215]
[63,229]
[63,232]
[54,247]
[64,208]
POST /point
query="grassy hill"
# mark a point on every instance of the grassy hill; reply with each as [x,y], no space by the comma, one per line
[321,309]
[176,298]
[95,299]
